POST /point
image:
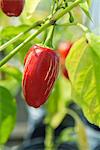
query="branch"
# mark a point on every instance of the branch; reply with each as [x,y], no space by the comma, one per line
[52,21]
[2,47]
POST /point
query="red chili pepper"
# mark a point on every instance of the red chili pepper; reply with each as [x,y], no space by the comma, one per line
[12,7]
[40,73]
[63,49]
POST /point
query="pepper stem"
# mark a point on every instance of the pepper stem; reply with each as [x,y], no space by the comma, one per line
[49,39]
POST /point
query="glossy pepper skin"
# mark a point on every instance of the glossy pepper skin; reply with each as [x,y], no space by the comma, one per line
[40,72]
[12,7]
[63,50]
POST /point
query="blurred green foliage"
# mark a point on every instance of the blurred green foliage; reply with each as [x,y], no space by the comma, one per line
[82,64]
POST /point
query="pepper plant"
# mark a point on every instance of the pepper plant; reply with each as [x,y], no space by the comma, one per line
[40,75]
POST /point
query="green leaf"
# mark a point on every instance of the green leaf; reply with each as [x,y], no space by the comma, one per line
[94,42]
[11,78]
[11,31]
[4,20]
[7,114]
[84,6]
[83,63]
[12,71]
[30,7]
[11,84]
[88,2]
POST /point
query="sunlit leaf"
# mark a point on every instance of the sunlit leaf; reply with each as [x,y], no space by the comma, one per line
[83,63]
[94,42]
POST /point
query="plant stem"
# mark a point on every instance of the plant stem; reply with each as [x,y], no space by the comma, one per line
[66,10]
[49,39]
[2,47]
[49,145]
[85,29]
[80,130]
[67,24]
[46,25]
[12,53]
